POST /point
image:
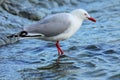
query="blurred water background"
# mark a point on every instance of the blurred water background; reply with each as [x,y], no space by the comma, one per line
[93,53]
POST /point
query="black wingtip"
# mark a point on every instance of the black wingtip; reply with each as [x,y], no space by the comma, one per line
[23,33]
[20,34]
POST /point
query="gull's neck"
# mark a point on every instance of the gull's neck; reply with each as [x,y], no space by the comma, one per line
[76,15]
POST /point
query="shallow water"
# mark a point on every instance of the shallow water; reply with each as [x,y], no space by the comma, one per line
[93,53]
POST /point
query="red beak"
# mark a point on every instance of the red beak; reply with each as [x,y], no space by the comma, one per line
[92,19]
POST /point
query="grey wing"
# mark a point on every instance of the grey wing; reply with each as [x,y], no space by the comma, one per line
[51,26]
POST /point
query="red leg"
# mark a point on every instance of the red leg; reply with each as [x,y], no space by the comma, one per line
[60,52]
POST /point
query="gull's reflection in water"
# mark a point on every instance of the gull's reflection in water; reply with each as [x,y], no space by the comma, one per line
[58,59]
[62,66]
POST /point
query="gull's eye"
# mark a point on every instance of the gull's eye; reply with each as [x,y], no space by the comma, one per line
[85,14]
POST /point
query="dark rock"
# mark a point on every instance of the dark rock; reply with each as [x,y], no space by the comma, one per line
[29,15]
[92,47]
[10,9]
[109,51]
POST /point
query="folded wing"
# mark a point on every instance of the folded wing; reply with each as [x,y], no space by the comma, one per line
[51,26]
